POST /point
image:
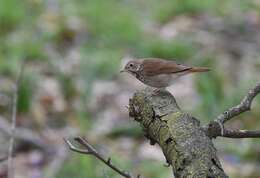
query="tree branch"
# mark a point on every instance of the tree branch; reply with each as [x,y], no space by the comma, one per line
[4,158]
[241,133]
[10,173]
[213,131]
[216,127]
[73,148]
[185,145]
[90,150]
[23,134]
[244,106]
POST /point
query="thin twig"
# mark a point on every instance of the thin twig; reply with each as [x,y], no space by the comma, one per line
[244,106]
[10,173]
[23,134]
[213,130]
[4,158]
[216,127]
[90,150]
[73,148]
[241,133]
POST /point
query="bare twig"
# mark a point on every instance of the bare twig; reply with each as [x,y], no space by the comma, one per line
[73,148]
[10,173]
[90,150]
[241,133]
[216,127]
[3,158]
[214,132]
[244,106]
[23,134]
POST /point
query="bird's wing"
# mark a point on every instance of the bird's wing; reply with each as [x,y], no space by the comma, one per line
[154,66]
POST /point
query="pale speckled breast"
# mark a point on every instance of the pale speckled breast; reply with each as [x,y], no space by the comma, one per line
[158,81]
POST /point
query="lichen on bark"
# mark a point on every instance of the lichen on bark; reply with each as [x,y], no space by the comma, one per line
[186,146]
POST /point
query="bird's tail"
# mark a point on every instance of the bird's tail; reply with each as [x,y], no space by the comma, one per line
[199,69]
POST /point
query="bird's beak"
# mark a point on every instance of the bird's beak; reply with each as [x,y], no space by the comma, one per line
[121,71]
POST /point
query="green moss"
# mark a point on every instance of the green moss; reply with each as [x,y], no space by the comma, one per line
[173,116]
[164,134]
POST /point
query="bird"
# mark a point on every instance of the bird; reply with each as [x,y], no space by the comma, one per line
[159,73]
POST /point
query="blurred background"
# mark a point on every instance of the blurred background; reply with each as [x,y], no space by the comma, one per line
[71,84]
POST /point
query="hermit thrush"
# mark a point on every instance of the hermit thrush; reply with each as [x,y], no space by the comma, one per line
[158,73]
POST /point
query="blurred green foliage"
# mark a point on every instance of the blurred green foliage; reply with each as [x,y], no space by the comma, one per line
[10,16]
[111,29]
[25,94]
[153,169]
[85,167]
[111,23]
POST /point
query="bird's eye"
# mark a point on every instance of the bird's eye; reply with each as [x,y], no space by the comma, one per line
[131,65]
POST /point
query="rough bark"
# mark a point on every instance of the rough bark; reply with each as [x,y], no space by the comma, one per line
[185,144]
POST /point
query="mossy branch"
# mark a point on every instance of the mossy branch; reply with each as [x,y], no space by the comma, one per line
[185,144]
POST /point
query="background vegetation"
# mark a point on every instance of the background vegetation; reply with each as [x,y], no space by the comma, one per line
[71,84]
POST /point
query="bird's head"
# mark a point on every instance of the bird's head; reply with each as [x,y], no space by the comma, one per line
[132,67]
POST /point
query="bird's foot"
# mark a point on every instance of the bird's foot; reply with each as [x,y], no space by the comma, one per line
[221,128]
[156,91]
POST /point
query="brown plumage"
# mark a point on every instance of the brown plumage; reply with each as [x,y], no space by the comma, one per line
[159,73]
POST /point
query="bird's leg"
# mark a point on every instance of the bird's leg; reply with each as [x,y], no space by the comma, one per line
[221,125]
[156,91]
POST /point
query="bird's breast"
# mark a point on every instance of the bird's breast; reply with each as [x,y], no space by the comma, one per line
[157,81]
